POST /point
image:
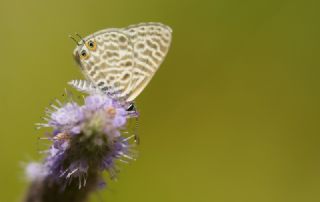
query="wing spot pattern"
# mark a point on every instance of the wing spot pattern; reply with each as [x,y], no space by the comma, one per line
[140,46]
[101,83]
[122,39]
[163,47]
[92,73]
[152,45]
[128,64]
[126,76]
[150,54]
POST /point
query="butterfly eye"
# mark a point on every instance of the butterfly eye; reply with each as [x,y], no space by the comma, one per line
[84,55]
[91,45]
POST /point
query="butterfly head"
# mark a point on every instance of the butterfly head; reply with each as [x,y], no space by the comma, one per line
[85,50]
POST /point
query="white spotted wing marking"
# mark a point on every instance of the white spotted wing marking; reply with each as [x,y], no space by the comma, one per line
[126,59]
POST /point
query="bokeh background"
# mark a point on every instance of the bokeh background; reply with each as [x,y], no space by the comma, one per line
[231,116]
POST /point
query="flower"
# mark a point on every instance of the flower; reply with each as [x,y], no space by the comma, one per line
[35,170]
[86,140]
[67,118]
[97,101]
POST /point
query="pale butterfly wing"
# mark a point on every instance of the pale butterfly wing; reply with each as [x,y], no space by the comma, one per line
[151,42]
[109,66]
[124,60]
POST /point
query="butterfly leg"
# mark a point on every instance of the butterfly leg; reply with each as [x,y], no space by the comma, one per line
[136,136]
[132,112]
[83,86]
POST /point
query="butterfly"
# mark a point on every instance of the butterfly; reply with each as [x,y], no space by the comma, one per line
[121,61]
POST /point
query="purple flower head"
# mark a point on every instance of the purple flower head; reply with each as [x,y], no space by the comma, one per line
[67,118]
[119,119]
[35,171]
[97,101]
[87,140]
[69,114]
[115,112]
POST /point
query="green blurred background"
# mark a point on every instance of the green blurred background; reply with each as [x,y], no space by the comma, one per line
[231,116]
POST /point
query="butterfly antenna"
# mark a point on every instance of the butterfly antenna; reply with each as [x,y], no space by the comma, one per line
[136,136]
[81,38]
[73,39]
